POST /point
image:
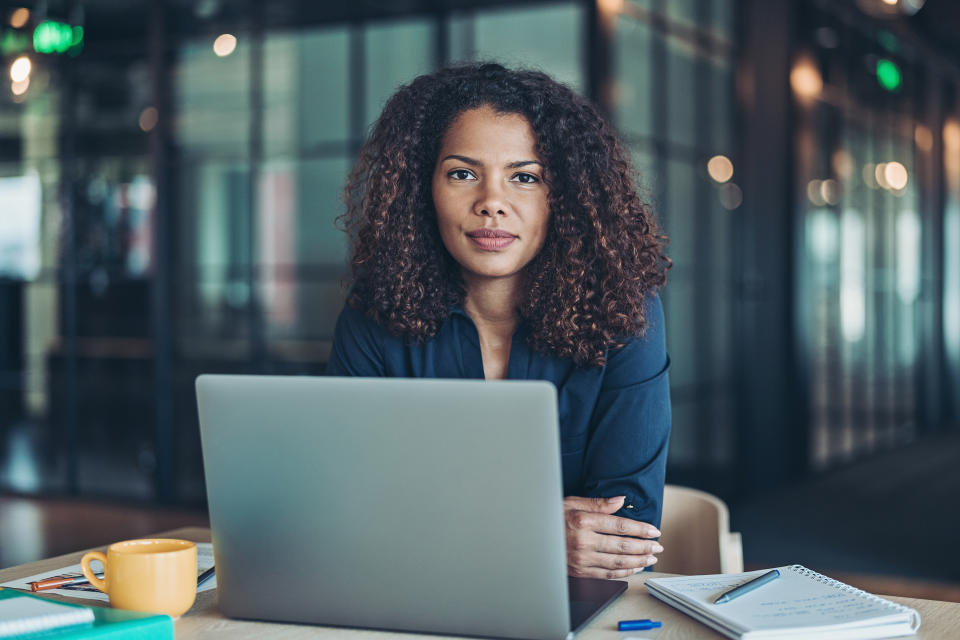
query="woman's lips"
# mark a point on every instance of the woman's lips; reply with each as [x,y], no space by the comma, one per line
[491,239]
[491,244]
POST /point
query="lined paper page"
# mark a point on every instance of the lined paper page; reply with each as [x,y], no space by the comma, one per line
[794,600]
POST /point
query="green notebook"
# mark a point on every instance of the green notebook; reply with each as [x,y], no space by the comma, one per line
[109,623]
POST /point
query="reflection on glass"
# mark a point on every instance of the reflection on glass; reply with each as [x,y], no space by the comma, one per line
[633,98]
[547,38]
[20,226]
[822,235]
[908,256]
[951,249]
[397,52]
[852,285]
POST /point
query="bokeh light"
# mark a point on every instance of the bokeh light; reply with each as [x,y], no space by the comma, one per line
[20,69]
[20,88]
[720,168]
[19,17]
[830,191]
[843,163]
[815,194]
[805,79]
[923,137]
[880,175]
[224,45]
[895,175]
[731,196]
[148,118]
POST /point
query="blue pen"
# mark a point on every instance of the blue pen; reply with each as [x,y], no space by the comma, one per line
[637,625]
[747,587]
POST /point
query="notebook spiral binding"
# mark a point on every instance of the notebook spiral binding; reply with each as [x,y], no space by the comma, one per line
[845,588]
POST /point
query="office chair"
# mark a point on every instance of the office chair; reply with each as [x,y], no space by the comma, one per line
[696,534]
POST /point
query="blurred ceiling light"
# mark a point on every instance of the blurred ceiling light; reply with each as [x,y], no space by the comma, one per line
[814,194]
[19,17]
[895,175]
[951,134]
[20,69]
[720,168]
[148,119]
[224,44]
[890,8]
[879,8]
[923,137]
[830,191]
[843,163]
[805,78]
[869,175]
[610,7]
[731,196]
[20,88]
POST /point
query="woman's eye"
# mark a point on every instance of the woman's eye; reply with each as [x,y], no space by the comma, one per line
[526,178]
[460,174]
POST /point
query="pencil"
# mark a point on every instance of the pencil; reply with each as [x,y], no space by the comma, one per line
[59,581]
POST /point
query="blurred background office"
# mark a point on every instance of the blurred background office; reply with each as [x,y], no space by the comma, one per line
[170,175]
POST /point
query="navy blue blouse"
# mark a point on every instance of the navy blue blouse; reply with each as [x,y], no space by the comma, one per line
[614,420]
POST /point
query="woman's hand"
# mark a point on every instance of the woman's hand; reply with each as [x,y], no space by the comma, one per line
[601,545]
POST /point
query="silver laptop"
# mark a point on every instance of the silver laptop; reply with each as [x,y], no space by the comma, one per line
[414,505]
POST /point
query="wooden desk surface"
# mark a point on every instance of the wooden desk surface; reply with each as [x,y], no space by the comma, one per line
[939,619]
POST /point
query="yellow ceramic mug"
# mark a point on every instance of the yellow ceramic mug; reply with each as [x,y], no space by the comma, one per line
[155,575]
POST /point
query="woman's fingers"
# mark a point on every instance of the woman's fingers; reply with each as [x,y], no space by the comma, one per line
[615,561]
[627,546]
[615,525]
[596,572]
[601,545]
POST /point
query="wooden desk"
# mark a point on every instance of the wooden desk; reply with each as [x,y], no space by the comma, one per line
[940,619]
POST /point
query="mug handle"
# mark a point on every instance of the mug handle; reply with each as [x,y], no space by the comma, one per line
[88,572]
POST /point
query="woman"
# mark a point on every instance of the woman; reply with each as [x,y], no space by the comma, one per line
[496,233]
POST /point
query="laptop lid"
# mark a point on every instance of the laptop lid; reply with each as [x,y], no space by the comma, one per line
[419,505]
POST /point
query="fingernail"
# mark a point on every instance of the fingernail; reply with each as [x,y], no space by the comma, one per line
[638,570]
[658,548]
[651,561]
[616,499]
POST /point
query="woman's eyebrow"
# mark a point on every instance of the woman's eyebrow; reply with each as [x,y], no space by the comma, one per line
[463,159]
[476,163]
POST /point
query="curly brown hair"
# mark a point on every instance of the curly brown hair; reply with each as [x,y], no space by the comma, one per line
[603,251]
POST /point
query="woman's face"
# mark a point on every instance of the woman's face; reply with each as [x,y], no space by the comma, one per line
[489,193]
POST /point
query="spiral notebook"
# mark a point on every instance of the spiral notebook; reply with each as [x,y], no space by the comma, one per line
[801,603]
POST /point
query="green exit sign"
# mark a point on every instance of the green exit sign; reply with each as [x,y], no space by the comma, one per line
[51,36]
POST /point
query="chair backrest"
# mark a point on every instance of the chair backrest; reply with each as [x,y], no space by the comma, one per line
[696,534]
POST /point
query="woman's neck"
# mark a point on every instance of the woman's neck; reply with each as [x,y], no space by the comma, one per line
[493,304]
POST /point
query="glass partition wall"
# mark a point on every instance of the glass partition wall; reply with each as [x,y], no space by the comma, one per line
[865,291]
[176,183]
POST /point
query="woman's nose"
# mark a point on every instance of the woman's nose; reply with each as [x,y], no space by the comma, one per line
[491,201]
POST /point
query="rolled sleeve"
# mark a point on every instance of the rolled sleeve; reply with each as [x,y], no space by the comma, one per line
[630,430]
